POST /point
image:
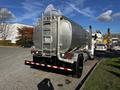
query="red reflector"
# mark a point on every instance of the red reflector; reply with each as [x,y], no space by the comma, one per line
[69,69]
[32,62]
[55,67]
[42,64]
[37,64]
[48,65]
[62,68]
[27,62]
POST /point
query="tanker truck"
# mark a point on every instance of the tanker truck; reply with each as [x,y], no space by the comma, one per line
[60,43]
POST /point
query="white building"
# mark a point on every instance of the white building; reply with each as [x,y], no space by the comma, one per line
[13,31]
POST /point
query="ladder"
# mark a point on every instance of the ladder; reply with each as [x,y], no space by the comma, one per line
[47,35]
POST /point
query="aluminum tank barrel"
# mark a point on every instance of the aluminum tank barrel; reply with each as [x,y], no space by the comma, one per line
[71,35]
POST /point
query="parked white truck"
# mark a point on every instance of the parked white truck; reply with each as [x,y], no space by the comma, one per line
[100,46]
[61,44]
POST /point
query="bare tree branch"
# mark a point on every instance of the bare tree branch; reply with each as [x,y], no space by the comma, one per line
[5,17]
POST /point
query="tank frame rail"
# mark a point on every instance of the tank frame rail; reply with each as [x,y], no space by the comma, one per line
[27,62]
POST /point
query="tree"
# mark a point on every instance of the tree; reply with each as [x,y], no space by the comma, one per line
[25,37]
[5,17]
[4,30]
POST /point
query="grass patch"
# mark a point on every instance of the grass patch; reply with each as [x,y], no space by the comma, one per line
[106,76]
[6,43]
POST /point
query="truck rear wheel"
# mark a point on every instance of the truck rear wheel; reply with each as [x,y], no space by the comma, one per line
[78,66]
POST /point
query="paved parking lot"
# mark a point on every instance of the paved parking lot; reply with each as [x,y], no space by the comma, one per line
[14,75]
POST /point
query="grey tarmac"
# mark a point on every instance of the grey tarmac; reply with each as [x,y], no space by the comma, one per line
[14,75]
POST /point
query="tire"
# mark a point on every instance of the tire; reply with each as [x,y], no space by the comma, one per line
[78,66]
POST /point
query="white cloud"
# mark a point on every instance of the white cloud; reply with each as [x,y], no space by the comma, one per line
[27,16]
[108,16]
[50,8]
[77,6]
[105,16]
[30,5]
[68,10]
[31,8]
[116,15]
[86,11]
[79,3]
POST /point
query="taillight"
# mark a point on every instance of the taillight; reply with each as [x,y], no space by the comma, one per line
[33,52]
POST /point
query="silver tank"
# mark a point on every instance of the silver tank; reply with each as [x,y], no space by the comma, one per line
[56,32]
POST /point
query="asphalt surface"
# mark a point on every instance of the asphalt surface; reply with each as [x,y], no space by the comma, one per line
[14,75]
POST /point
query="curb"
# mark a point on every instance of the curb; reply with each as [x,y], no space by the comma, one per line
[81,85]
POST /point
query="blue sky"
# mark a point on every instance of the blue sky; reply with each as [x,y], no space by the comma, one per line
[101,14]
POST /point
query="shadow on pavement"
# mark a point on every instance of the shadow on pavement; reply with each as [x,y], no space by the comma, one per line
[61,72]
[45,85]
[107,54]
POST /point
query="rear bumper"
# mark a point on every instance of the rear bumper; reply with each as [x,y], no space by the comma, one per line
[101,50]
[31,63]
